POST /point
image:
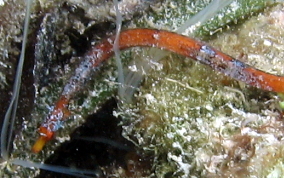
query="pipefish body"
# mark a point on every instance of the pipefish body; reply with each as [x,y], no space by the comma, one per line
[173,42]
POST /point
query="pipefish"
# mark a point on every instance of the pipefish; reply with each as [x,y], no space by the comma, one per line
[162,39]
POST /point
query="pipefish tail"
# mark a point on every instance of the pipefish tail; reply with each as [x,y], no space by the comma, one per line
[173,42]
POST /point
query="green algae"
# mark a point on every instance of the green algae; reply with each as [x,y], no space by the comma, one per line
[235,13]
[176,106]
[172,14]
[174,117]
[199,123]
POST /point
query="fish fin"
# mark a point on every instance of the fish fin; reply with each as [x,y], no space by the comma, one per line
[39,144]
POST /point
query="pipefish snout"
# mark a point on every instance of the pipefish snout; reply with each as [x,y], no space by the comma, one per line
[173,42]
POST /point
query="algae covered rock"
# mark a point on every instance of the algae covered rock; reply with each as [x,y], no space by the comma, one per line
[199,123]
[185,119]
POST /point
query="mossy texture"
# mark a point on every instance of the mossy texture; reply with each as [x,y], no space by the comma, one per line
[199,123]
[193,121]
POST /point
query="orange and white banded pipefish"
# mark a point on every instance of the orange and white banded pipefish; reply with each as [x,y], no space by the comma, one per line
[173,42]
